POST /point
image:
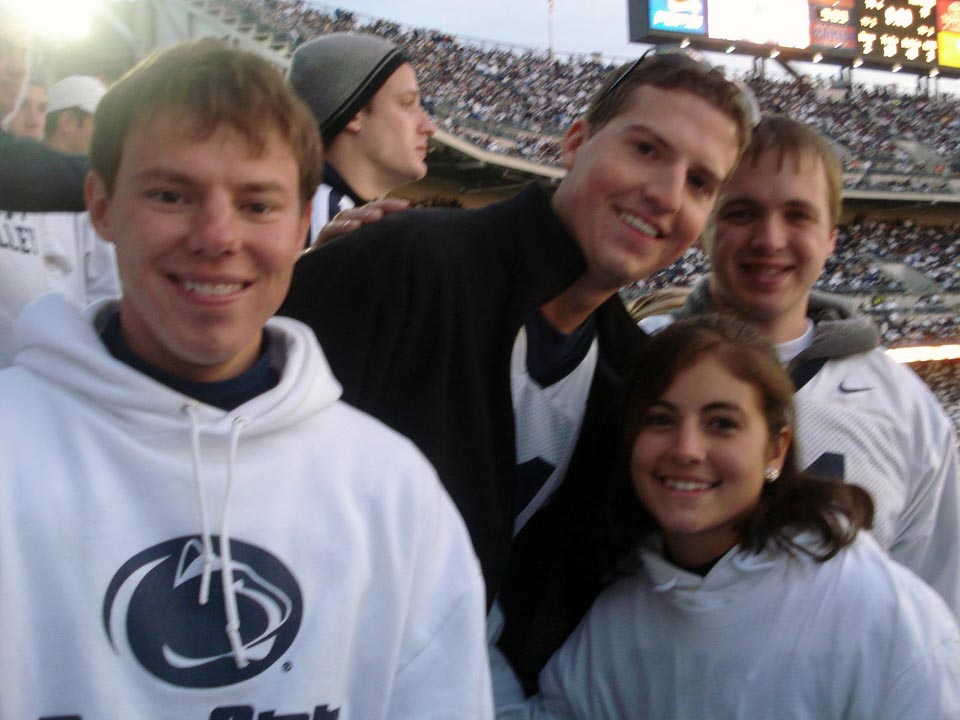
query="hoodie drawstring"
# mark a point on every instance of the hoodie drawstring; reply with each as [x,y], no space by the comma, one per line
[226,572]
[191,409]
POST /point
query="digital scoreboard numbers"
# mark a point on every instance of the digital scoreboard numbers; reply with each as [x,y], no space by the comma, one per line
[833,25]
[919,35]
[898,31]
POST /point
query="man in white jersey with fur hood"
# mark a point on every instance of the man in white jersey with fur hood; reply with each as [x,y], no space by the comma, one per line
[192,524]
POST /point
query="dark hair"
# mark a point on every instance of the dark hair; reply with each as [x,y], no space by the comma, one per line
[832,510]
[214,86]
[674,71]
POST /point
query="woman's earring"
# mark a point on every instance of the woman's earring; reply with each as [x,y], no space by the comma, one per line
[771,475]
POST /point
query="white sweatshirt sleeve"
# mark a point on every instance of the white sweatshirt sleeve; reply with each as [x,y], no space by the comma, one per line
[443,670]
[930,526]
[572,683]
[922,679]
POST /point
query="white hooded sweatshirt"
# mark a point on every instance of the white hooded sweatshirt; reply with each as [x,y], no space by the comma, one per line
[766,635]
[340,568]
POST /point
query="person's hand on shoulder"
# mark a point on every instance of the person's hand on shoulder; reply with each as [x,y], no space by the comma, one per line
[353,218]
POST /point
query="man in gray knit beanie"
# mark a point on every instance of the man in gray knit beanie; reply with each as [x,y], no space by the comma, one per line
[364,94]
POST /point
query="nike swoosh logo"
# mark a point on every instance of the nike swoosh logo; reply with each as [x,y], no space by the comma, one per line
[845,389]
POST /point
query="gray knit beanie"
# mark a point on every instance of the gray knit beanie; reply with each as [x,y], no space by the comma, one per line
[338,74]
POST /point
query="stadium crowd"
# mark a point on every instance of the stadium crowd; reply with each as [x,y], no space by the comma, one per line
[867,121]
[943,377]
[517,101]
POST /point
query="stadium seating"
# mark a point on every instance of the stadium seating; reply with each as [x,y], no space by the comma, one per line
[519,100]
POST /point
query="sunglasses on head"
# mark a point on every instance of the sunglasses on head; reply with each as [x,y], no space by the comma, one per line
[689,58]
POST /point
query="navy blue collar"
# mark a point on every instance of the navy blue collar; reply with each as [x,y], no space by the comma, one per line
[225,394]
[551,355]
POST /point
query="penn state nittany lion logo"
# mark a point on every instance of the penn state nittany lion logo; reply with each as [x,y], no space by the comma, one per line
[151,608]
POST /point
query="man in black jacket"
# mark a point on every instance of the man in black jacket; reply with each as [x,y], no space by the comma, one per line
[495,338]
[33,177]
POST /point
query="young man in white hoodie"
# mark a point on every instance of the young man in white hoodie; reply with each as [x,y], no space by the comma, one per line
[192,525]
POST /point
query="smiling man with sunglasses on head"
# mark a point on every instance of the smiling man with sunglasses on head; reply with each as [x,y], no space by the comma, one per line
[495,339]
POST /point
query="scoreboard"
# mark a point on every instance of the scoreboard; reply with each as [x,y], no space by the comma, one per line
[919,35]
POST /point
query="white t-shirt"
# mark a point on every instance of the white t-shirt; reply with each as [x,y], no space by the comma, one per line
[22,274]
[42,252]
